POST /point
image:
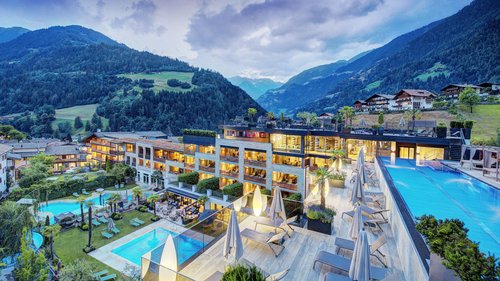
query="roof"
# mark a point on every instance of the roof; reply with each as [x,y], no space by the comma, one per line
[389,97]
[132,135]
[4,148]
[360,101]
[30,144]
[159,143]
[487,84]
[460,86]
[326,115]
[62,149]
[415,93]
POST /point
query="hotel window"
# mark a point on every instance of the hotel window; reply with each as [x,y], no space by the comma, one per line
[207,149]
[323,145]
[287,160]
[354,146]
[130,148]
[406,152]
[283,142]
[431,153]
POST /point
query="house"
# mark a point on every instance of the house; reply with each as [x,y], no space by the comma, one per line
[412,99]
[452,91]
[326,119]
[379,102]
[4,167]
[360,105]
[490,88]
[66,156]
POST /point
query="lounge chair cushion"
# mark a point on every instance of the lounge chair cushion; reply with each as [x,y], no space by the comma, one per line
[336,277]
[343,264]
[100,273]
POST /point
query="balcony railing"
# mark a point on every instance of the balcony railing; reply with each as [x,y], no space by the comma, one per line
[255,163]
[190,152]
[229,158]
[255,179]
[207,169]
[229,173]
[189,165]
[159,159]
[290,186]
[116,152]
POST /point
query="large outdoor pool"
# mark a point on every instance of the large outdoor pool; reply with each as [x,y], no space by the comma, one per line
[135,249]
[449,194]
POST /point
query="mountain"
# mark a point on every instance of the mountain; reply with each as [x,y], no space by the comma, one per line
[67,66]
[10,33]
[462,48]
[254,87]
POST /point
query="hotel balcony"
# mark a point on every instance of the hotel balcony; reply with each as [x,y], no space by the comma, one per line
[159,159]
[229,158]
[255,163]
[189,165]
[229,173]
[207,169]
[289,186]
[115,152]
[257,179]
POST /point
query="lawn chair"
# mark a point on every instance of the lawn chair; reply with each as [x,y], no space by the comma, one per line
[102,220]
[106,234]
[97,275]
[108,277]
[138,221]
[370,212]
[265,239]
[134,223]
[347,244]
[115,230]
[277,276]
[85,192]
[275,224]
[76,194]
[95,223]
[330,276]
[344,264]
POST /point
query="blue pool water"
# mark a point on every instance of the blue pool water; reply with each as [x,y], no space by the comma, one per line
[37,240]
[451,195]
[135,249]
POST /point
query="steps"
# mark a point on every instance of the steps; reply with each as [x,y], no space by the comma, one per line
[455,152]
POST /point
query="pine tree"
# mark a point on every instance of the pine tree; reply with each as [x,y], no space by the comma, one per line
[87,126]
[78,122]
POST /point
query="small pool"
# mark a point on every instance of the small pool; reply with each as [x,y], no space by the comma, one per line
[37,240]
[135,249]
[450,194]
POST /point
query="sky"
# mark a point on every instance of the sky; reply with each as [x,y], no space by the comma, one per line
[253,38]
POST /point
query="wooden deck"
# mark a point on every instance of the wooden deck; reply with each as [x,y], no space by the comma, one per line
[300,250]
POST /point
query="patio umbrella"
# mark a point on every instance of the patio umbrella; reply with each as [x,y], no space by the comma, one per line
[357,195]
[357,223]
[362,123]
[360,263]
[402,122]
[363,176]
[111,224]
[277,205]
[361,159]
[233,245]
[168,261]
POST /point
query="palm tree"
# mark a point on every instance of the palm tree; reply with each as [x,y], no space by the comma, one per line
[113,199]
[51,232]
[251,113]
[137,192]
[89,206]
[413,114]
[322,175]
[156,177]
[270,115]
[154,198]
[81,200]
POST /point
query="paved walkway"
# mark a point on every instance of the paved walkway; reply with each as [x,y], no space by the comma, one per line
[476,173]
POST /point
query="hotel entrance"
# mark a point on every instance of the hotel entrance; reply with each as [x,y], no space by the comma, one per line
[406,151]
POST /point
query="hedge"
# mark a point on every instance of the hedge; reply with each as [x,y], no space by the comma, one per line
[189,178]
[296,197]
[201,133]
[58,189]
[235,189]
[211,183]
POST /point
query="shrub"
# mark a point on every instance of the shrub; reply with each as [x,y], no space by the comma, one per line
[468,124]
[242,272]
[116,216]
[380,118]
[326,215]
[441,130]
[483,141]
[338,176]
[211,183]
[141,208]
[200,133]
[189,178]
[448,239]
[235,189]
[177,83]
[265,191]
[155,218]
[296,197]
[85,227]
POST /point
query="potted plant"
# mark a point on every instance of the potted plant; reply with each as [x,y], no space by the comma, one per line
[468,128]
[381,123]
[374,129]
[441,130]
[338,180]
[320,219]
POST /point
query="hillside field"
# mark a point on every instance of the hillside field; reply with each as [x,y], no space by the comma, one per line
[486,117]
[70,113]
[161,78]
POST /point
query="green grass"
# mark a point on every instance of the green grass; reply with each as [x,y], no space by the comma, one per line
[487,119]
[69,114]
[436,70]
[373,85]
[160,79]
[69,244]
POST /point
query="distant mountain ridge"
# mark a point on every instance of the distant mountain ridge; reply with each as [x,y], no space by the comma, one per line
[10,33]
[255,87]
[74,65]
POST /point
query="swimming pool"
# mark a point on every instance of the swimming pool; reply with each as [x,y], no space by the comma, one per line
[135,249]
[450,194]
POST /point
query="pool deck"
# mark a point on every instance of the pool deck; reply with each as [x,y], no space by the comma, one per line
[476,173]
[300,250]
[104,254]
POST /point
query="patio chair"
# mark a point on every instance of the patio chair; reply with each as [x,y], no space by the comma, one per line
[138,221]
[115,230]
[95,223]
[100,273]
[344,264]
[330,276]
[106,234]
[276,224]
[265,239]
[85,192]
[102,219]
[108,277]
[371,212]
[134,223]
[277,276]
[347,244]
[76,194]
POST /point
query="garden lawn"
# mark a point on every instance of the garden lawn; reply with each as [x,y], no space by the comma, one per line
[161,78]
[487,120]
[69,244]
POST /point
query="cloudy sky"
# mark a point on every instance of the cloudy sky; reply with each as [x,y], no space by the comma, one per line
[255,38]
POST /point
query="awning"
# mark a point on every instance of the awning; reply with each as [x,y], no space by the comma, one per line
[183,193]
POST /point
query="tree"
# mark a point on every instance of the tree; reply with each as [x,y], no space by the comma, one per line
[251,113]
[81,200]
[469,97]
[380,118]
[113,199]
[78,123]
[89,206]
[156,177]
[322,176]
[10,133]
[51,233]
[348,113]
[39,167]
[109,165]
[153,199]
[270,115]
[88,128]
[30,265]
[307,117]
[12,233]
[119,171]
[137,192]
[77,270]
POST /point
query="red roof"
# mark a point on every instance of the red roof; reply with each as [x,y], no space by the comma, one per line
[415,93]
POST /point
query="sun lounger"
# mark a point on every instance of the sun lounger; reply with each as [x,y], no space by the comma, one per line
[275,224]
[102,219]
[370,212]
[138,221]
[115,230]
[265,239]
[330,276]
[76,194]
[347,244]
[100,273]
[216,276]
[277,276]
[134,223]
[95,223]
[85,192]
[106,234]
[108,277]
[343,264]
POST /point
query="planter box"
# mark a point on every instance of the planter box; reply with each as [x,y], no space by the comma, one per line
[467,133]
[319,226]
[337,183]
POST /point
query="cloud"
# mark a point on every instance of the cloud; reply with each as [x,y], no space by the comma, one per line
[141,19]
